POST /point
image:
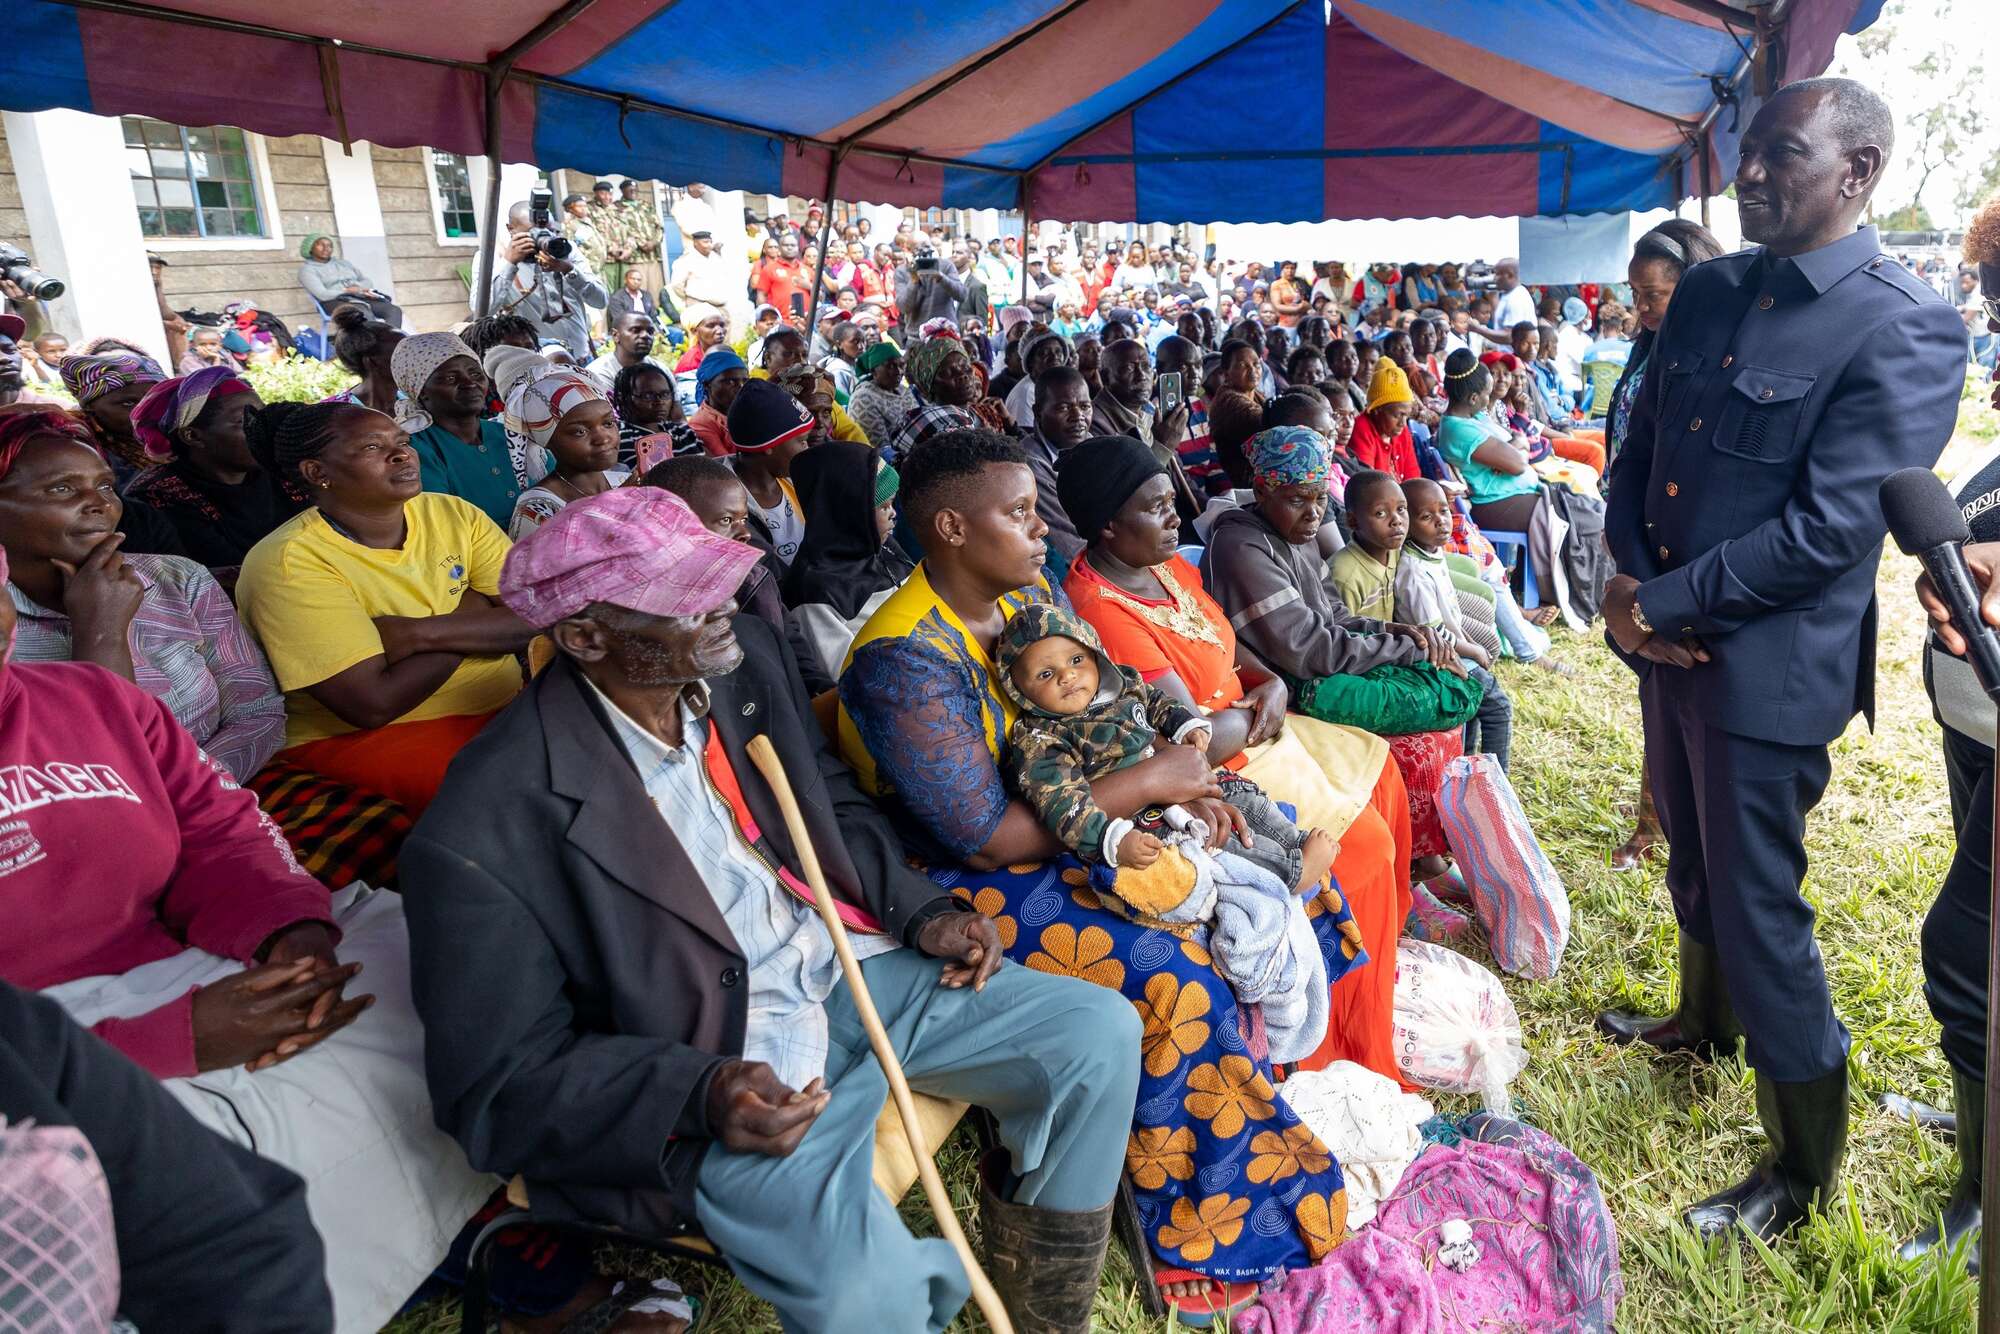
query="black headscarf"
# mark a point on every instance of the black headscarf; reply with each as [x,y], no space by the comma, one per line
[1095,479]
[841,562]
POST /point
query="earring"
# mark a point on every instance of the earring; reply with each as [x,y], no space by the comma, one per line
[326,486]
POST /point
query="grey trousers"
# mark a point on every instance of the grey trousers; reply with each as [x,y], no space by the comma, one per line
[1055,1059]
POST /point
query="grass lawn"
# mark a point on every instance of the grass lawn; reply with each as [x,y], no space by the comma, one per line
[1661,1134]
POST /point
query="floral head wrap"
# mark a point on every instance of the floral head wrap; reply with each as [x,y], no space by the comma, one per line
[413,363]
[536,405]
[171,406]
[1287,456]
[89,377]
[927,358]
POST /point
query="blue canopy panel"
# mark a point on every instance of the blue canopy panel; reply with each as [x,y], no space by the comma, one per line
[1314,119]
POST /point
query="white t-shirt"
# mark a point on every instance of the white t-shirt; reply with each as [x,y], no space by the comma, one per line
[784,523]
[1515,306]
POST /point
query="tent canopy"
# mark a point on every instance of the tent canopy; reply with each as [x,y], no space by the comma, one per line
[1135,110]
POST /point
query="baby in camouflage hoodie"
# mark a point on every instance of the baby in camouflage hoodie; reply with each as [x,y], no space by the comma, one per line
[1083,716]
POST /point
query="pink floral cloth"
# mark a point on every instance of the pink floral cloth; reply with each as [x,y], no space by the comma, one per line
[1547,1249]
[1421,758]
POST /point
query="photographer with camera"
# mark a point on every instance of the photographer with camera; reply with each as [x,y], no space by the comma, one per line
[536,279]
[925,291]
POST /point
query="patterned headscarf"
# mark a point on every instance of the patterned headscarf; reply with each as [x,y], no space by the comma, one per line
[1287,456]
[1575,311]
[939,328]
[21,423]
[171,406]
[89,377]
[506,365]
[413,363]
[927,358]
[536,404]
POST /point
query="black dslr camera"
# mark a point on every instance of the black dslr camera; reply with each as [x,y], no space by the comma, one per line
[926,261]
[17,268]
[549,239]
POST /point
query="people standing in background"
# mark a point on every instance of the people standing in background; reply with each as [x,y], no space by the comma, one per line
[605,216]
[643,234]
[583,233]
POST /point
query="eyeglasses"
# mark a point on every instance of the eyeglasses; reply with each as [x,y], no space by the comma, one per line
[659,397]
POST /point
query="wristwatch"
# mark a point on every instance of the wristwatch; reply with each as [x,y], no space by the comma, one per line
[1639,616]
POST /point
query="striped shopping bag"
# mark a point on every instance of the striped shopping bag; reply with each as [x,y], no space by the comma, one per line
[1515,891]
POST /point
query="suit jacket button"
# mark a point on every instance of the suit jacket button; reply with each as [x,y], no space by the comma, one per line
[1765,394]
[1673,488]
[1663,553]
[1695,425]
[749,709]
[1728,362]
[730,977]
[1766,303]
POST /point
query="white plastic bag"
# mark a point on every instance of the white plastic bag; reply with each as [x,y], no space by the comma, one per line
[1455,1028]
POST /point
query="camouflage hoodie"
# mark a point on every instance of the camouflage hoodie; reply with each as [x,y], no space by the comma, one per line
[1053,757]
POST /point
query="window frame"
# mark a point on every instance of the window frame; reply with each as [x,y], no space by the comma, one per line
[437,200]
[260,180]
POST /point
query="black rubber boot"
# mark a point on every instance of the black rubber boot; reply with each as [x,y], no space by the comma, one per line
[1045,1263]
[1704,1026]
[1961,1210]
[1806,1124]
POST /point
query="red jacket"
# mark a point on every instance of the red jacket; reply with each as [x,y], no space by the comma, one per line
[121,843]
[1397,457]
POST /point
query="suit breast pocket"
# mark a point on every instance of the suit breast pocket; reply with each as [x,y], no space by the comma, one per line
[1759,420]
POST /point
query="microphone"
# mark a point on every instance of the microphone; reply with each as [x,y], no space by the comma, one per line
[1927,523]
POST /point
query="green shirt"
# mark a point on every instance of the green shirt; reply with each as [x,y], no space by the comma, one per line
[1367,586]
[482,474]
[1457,437]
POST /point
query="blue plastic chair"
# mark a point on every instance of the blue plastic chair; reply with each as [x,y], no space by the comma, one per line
[1191,553]
[1518,544]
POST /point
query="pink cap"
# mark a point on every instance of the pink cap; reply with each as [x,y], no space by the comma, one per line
[636,547]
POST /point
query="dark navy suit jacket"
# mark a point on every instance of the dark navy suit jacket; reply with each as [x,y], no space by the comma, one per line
[1778,395]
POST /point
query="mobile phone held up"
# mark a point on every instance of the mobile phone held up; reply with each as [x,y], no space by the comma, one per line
[1168,392]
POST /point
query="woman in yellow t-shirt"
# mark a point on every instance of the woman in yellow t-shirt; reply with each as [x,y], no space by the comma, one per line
[376,607]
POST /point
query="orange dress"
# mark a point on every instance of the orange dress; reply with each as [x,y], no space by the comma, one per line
[1338,779]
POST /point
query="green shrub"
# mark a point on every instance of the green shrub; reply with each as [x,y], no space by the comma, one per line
[298,379]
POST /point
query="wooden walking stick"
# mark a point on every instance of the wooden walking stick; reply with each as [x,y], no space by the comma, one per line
[765,757]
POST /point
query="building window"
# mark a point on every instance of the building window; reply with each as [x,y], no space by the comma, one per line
[451,196]
[192,184]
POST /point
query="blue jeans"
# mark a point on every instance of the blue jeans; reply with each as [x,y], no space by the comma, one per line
[1055,1059]
[1527,642]
[1492,728]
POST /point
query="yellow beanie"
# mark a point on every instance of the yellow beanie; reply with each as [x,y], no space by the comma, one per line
[1390,385]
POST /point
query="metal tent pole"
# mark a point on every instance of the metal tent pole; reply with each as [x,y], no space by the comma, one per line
[825,232]
[489,231]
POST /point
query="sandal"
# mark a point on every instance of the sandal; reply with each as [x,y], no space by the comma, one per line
[1202,1309]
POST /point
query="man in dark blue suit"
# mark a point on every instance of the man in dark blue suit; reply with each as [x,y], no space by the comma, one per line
[1786,382]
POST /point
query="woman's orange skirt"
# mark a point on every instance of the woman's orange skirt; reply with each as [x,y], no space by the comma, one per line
[1373,872]
[403,761]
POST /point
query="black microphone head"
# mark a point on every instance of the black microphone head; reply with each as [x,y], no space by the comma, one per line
[1921,513]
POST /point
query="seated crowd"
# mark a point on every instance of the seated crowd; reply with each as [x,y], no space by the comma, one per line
[1075,621]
